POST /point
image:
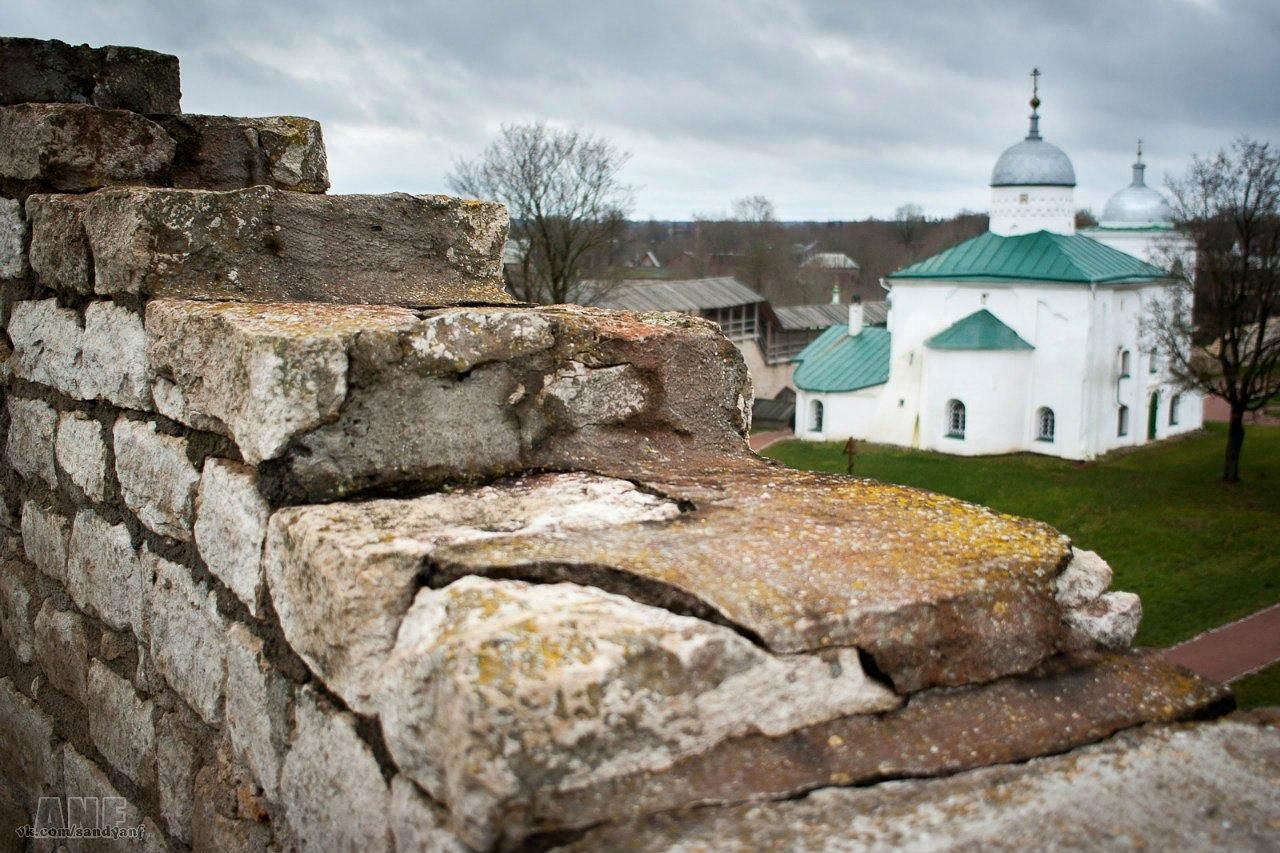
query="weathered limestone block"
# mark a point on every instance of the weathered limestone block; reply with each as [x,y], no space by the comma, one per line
[1209,786]
[260,374]
[226,153]
[187,637]
[157,480]
[15,613]
[1110,621]
[226,815]
[62,649]
[330,392]
[328,765]
[44,539]
[937,732]
[121,724]
[104,575]
[231,527]
[81,450]
[59,253]
[28,745]
[30,447]
[14,234]
[419,824]
[175,774]
[342,576]
[76,147]
[91,800]
[937,591]
[265,245]
[259,709]
[52,71]
[499,694]
[1084,579]
[105,358]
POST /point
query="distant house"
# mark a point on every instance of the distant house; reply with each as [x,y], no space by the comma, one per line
[647,260]
[822,271]
[768,338]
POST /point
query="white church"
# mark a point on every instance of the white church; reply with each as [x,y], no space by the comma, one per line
[1025,338]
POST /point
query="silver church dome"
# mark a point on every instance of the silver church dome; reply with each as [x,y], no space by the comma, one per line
[1137,204]
[1033,162]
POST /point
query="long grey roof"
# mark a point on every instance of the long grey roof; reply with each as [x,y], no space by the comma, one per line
[695,294]
[828,314]
[822,316]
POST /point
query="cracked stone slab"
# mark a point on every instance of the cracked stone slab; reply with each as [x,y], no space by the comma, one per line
[936,590]
[500,695]
[937,732]
[1208,786]
[113,77]
[266,245]
[229,153]
[329,391]
[77,147]
[342,575]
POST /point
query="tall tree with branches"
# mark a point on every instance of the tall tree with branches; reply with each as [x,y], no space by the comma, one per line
[567,203]
[1228,344]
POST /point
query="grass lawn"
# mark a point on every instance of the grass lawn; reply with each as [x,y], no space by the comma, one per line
[1260,690]
[1200,552]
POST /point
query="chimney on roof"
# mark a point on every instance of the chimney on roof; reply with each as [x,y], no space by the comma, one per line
[835,294]
[855,317]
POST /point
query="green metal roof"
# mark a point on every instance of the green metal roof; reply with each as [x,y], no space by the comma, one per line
[1042,256]
[980,330]
[834,361]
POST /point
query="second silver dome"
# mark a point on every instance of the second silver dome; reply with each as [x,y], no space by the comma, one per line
[1033,162]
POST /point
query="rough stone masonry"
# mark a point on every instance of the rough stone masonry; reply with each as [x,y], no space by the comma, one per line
[312,539]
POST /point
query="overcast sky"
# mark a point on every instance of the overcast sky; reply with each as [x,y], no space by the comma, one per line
[834,110]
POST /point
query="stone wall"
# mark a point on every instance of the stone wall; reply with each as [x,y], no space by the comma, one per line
[313,539]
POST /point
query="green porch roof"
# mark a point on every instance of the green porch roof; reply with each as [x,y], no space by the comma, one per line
[980,330]
[1042,256]
[834,361]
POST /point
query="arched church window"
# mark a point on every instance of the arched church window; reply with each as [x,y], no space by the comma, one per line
[815,419]
[955,419]
[1124,364]
[1122,421]
[1044,424]
[1173,409]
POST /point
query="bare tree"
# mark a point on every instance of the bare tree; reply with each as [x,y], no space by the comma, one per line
[909,224]
[1228,206]
[567,204]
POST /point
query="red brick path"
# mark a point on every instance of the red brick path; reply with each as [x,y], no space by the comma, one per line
[1227,653]
[761,440]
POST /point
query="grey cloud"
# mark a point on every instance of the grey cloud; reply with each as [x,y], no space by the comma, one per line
[836,110]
